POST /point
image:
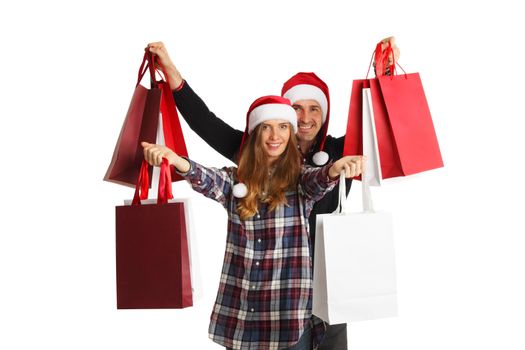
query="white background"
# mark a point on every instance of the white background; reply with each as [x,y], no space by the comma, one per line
[68,72]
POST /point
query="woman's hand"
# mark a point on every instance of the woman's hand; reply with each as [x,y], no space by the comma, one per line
[160,51]
[153,154]
[352,166]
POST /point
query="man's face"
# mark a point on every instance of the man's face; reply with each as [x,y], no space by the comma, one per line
[309,119]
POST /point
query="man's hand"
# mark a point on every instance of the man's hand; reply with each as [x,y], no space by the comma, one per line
[395,49]
[160,51]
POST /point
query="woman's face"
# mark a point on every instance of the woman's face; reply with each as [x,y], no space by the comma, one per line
[275,135]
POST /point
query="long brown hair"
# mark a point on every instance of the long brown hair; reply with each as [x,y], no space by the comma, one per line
[254,173]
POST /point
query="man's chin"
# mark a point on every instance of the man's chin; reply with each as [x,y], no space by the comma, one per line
[305,136]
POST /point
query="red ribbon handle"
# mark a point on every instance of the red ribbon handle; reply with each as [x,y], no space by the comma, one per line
[148,63]
[170,118]
[142,188]
[165,191]
[380,57]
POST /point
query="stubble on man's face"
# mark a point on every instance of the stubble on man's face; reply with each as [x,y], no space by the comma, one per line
[309,119]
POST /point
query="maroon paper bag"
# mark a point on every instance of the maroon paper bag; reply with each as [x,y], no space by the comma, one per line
[407,142]
[153,269]
[141,124]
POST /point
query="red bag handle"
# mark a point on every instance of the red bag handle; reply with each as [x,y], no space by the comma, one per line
[142,188]
[380,58]
[148,63]
[170,118]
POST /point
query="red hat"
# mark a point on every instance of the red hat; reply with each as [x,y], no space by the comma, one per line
[308,86]
[267,108]
[262,109]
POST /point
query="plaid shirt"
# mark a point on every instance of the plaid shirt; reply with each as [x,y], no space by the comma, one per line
[265,292]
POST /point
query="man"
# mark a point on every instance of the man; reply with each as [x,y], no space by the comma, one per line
[310,98]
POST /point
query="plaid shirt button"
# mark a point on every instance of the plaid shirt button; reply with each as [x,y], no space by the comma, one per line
[252,309]
[257,263]
[259,240]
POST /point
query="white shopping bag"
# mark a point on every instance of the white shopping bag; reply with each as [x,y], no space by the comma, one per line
[354,267]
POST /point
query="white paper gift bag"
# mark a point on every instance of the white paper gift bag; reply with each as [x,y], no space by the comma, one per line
[354,267]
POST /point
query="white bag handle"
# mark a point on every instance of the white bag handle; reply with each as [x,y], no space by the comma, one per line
[370,148]
[368,205]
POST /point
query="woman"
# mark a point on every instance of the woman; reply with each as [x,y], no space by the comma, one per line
[265,293]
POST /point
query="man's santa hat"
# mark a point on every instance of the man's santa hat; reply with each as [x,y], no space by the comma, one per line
[308,86]
[263,109]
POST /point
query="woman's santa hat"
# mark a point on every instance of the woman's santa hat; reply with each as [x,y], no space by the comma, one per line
[308,86]
[263,109]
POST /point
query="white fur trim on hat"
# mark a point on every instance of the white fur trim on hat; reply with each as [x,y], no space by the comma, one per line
[308,92]
[240,190]
[271,111]
[320,158]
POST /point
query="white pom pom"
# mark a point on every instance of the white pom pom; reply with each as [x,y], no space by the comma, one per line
[320,158]
[240,190]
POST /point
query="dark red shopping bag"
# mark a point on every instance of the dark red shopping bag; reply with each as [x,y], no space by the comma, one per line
[406,137]
[153,269]
[141,124]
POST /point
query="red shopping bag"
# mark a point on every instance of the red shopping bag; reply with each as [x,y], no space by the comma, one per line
[141,124]
[152,258]
[406,137]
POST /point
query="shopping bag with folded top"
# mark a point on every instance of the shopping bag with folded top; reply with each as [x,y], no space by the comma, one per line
[406,137]
[152,255]
[141,124]
[354,265]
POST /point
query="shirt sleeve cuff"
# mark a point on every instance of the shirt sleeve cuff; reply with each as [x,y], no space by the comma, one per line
[190,172]
[178,88]
[325,173]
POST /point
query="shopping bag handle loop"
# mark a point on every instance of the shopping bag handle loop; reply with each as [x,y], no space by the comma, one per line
[142,188]
[341,205]
[380,58]
[368,205]
[168,108]
[149,62]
